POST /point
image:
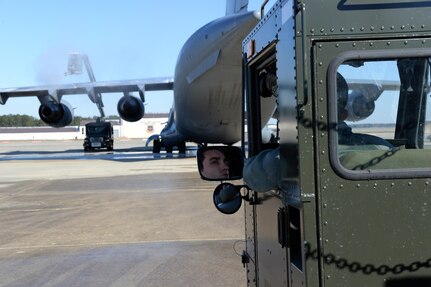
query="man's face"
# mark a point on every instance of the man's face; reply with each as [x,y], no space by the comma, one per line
[215,165]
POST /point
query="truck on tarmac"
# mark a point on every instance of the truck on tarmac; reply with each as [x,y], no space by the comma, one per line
[99,135]
[347,85]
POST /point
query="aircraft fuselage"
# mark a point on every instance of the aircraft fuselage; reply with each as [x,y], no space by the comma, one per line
[207,81]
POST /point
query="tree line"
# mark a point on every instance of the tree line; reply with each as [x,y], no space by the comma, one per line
[30,121]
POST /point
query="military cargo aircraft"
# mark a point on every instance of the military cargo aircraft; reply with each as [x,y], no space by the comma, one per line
[206,87]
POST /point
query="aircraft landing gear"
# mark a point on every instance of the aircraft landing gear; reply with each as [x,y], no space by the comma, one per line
[157,145]
[169,149]
[182,148]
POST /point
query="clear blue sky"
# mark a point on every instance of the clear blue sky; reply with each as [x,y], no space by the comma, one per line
[126,39]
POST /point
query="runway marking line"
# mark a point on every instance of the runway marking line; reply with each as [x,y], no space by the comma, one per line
[54,245]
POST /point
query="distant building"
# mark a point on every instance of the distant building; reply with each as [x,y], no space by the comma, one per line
[150,124]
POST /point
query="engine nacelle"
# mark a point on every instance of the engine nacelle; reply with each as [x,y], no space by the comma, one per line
[359,106]
[56,115]
[130,109]
[361,101]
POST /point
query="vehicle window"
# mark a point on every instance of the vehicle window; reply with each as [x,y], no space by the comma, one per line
[383,114]
[262,127]
[268,103]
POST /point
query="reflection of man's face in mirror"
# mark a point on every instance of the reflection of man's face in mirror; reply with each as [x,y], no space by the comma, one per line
[214,165]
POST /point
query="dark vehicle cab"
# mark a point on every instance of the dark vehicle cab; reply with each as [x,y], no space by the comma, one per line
[98,136]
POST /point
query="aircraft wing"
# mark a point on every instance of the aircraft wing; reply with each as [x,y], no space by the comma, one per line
[385,85]
[92,89]
[371,90]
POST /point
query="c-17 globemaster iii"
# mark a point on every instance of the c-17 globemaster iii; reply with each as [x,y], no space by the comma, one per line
[206,87]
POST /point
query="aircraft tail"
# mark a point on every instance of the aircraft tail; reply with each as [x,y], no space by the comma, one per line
[236,6]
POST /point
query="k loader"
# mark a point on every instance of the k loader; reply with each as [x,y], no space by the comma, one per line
[340,194]
[98,135]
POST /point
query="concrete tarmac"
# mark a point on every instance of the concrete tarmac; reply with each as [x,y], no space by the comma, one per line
[92,221]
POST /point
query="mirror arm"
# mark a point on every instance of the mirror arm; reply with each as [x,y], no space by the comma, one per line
[246,197]
[251,200]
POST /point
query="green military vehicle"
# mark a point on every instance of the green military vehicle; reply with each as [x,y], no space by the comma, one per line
[99,135]
[348,86]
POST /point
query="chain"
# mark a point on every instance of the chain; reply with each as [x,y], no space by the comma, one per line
[356,267]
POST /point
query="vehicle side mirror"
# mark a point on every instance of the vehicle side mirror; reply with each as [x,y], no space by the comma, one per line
[220,162]
[227,198]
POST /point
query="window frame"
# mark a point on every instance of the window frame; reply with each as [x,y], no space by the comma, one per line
[334,64]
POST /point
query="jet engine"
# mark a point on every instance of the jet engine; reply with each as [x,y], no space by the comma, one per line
[361,101]
[56,114]
[359,106]
[130,109]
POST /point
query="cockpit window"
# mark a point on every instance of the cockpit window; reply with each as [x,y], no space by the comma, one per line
[383,114]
